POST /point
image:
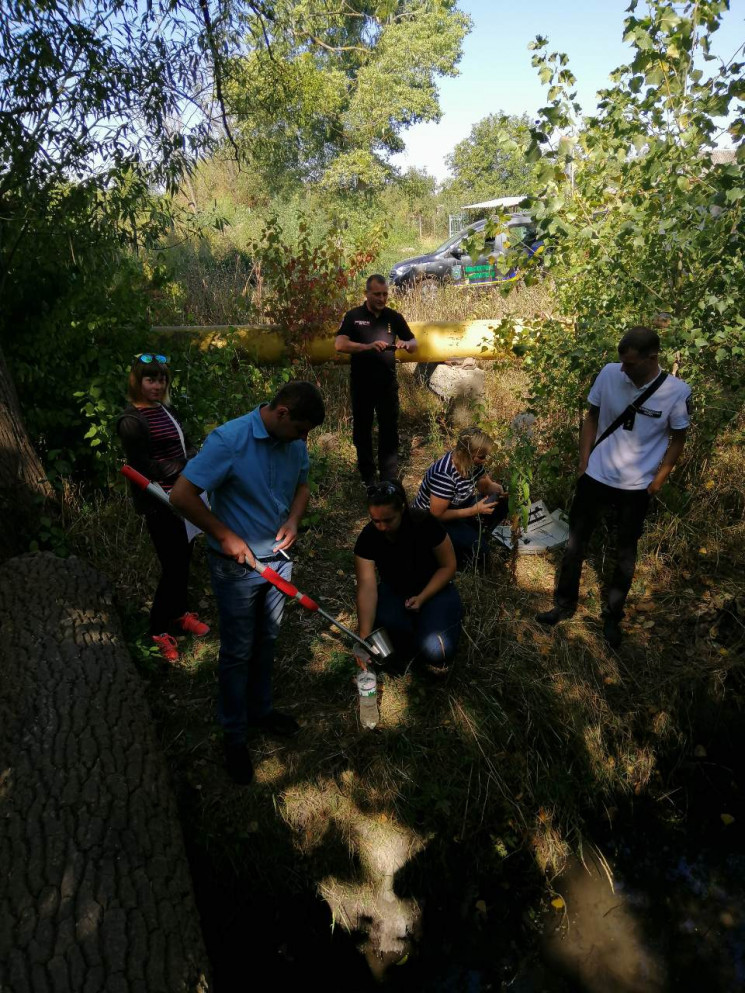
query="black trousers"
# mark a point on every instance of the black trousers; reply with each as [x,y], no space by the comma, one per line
[592,499]
[470,535]
[168,534]
[375,398]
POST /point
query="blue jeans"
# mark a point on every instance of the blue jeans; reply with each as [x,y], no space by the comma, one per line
[432,633]
[250,612]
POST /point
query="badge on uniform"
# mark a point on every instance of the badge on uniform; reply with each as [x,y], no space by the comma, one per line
[628,424]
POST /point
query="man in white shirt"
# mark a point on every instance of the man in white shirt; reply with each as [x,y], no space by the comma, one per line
[625,455]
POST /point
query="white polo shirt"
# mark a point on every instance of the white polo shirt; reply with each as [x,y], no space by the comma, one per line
[629,460]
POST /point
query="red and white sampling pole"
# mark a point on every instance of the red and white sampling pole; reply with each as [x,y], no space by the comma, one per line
[265,571]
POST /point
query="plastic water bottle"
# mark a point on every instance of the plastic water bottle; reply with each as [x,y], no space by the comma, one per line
[367,685]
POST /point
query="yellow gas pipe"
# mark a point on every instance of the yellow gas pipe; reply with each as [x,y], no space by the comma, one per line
[438,341]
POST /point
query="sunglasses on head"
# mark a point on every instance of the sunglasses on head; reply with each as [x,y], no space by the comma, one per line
[385,488]
[148,357]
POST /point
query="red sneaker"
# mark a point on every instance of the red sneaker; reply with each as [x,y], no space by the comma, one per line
[192,625]
[167,645]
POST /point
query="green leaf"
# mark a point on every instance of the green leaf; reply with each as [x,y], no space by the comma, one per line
[669,20]
[552,115]
[655,76]
[641,38]
[533,153]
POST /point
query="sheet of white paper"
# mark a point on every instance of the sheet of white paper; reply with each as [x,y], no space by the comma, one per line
[544,531]
[191,529]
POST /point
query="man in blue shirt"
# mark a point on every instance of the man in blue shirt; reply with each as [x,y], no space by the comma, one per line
[255,470]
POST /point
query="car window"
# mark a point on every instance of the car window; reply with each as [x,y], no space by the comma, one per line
[452,242]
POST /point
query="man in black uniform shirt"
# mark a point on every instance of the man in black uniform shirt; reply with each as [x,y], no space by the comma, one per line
[371,334]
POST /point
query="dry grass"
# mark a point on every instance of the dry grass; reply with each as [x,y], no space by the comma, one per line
[430,301]
[210,289]
[531,733]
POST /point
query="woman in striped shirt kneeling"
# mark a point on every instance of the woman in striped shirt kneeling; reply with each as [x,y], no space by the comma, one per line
[458,491]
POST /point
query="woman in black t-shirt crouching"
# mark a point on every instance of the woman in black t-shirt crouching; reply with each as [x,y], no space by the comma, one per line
[415,600]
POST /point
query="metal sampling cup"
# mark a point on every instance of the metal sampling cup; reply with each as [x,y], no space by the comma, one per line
[381,644]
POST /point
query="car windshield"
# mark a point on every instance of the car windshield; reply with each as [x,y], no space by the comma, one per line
[454,240]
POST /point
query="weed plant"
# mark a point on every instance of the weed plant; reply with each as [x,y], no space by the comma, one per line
[530,737]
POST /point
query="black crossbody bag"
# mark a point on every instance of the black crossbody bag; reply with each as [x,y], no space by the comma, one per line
[632,410]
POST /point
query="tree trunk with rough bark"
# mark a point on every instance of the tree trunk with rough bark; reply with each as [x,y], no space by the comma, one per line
[24,488]
[95,890]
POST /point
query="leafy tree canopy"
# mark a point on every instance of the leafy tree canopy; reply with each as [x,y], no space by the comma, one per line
[641,216]
[86,88]
[327,98]
[101,102]
[491,162]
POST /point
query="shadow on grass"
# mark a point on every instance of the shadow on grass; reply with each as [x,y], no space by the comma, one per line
[533,742]
[448,822]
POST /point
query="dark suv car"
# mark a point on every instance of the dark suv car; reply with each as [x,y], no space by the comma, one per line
[439,264]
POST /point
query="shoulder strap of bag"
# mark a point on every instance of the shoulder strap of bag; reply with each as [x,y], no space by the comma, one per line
[178,428]
[631,409]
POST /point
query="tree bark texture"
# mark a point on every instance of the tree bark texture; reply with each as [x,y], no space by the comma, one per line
[23,484]
[95,891]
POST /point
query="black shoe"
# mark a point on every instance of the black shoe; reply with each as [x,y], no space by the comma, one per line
[552,616]
[276,723]
[612,631]
[238,764]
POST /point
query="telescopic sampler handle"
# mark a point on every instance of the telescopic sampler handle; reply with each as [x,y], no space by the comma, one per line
[370,649]
[147,486]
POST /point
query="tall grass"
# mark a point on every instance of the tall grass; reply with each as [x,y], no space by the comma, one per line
[217,281]
[429,301]
[207,286]
[532,734]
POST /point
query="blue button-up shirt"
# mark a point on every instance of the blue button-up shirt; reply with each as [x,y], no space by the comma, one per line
[251,479]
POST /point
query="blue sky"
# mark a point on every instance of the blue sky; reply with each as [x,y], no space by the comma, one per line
[496,74]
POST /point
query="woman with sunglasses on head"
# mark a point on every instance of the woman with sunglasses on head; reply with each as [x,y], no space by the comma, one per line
[458,491]
[154,445]
[412,596]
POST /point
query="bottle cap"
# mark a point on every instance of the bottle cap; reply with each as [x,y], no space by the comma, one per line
[366,683]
